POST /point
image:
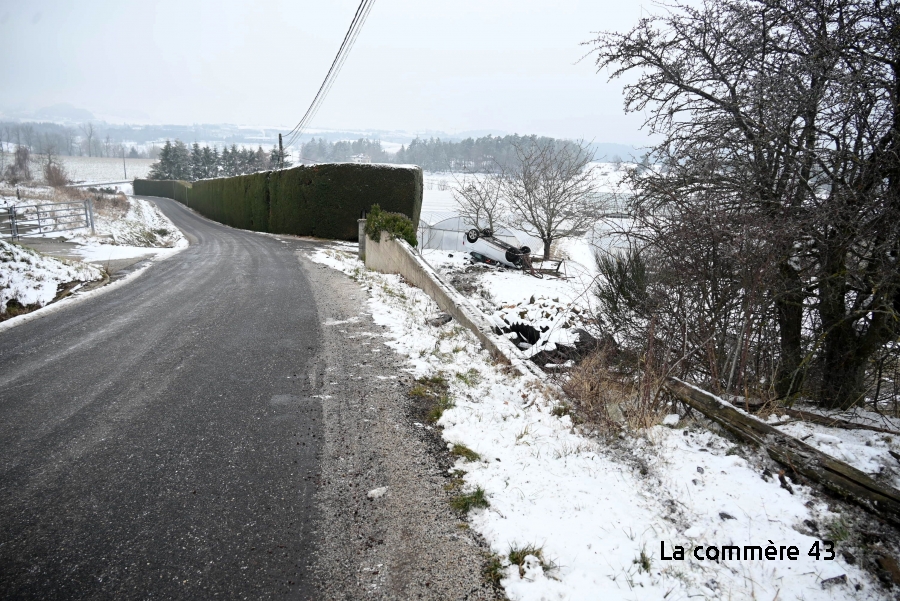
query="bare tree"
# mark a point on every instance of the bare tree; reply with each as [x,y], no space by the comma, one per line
[28,134]
[550,189]
[780,125]
[88,130]
[4,135]
[479,200]
[69,140]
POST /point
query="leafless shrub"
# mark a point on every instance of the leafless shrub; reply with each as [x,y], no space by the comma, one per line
[19,171]
[609,397]
[56,175]
[110,205]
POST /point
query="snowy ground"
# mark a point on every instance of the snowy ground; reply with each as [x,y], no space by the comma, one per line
[125,228]
[598,510]
[554,306]
[34,279]
[561,306]
[103,169]
[875,453]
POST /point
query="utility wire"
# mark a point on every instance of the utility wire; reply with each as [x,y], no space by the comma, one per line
[362,12]
[341,50]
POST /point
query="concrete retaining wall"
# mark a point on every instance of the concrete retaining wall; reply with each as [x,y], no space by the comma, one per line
[396,256]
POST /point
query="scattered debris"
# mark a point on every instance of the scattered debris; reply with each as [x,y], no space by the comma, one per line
[442,319]
[377,493]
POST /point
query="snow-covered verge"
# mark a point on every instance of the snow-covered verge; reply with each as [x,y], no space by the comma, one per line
[33,280]
[137,223]
[559,310]
[587,517]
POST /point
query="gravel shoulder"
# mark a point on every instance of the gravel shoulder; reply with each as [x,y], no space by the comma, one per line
[408,543]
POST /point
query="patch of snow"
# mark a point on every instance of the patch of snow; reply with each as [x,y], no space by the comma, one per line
[671,420]
[31,278]
[377,493]
[867,451]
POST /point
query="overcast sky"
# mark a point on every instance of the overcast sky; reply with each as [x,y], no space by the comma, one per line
[439,65]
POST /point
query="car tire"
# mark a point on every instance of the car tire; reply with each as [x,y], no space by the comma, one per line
[472,236]
[525,250]
[513,256]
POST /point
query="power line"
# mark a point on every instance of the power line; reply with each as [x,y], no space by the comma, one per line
[362,12]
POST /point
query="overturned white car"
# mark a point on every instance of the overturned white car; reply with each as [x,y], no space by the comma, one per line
[482,246]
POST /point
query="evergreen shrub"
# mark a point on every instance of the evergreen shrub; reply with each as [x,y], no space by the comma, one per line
[396,225]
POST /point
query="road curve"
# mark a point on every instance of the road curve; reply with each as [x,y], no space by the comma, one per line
[163,439]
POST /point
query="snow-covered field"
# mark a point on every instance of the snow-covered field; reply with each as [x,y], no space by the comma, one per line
[604,519]
[102,169]
[94,169]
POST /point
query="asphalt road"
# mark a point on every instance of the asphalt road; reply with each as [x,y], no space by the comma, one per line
[163,440]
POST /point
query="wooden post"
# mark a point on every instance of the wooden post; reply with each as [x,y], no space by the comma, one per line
[280,153]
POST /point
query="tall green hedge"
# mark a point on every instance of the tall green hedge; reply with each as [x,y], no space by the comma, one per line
[324,201]
[153,187]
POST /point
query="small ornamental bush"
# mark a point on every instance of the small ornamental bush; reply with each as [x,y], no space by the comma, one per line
[396,225]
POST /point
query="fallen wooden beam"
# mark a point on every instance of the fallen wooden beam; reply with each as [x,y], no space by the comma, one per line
[837,476]
[833,422]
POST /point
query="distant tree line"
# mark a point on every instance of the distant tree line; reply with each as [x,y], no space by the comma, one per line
[342,151]
[177,161]
[488,154]
[60,140]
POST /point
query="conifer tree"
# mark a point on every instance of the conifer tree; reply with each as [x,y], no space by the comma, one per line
[196,164]
[181,161]
[162,168]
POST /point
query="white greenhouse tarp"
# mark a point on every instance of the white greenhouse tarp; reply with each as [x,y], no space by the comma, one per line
[443,231]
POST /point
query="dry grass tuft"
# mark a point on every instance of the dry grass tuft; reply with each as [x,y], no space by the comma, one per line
[612,400]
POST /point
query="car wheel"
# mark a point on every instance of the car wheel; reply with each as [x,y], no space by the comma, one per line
[472,236]
[513,256]
[525,250]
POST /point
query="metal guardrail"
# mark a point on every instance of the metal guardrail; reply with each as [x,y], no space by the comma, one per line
[99,184]
[22,221]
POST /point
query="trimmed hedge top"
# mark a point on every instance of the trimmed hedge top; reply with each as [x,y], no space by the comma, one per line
[323,201]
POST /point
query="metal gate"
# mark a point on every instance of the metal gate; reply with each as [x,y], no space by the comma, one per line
[22,221]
